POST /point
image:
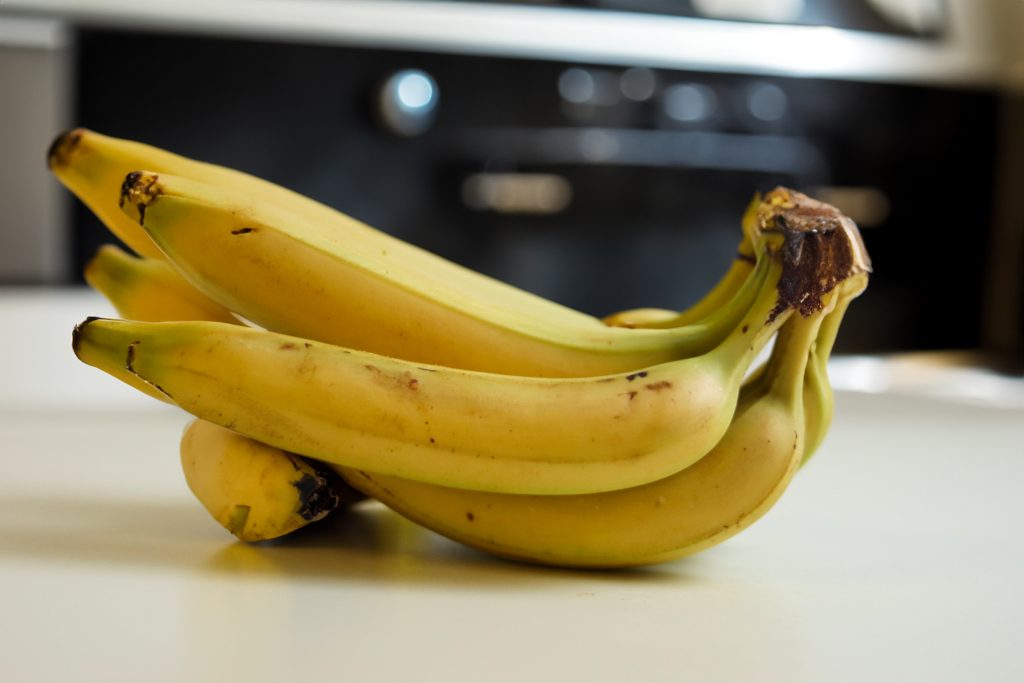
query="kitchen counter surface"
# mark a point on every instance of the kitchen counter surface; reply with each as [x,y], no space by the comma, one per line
[896,555]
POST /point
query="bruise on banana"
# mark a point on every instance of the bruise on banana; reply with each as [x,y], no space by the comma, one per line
[821,247]
[141,189]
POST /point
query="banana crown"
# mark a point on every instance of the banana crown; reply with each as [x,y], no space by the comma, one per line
[820,247]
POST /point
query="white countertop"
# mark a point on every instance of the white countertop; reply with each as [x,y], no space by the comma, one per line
[896,555]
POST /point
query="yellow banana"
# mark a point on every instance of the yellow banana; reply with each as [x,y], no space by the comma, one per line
[255,491]
[149,289]
[442,425]
[819,402]
[645,317]
[719,296]
[83,162]
[301,278]
[713,499]
[663,318]
[447,313]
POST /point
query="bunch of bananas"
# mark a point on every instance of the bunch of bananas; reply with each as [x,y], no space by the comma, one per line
[326,361]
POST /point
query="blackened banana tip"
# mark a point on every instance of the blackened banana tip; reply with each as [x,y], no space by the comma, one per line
[76,335]
[79,331]
[62,146]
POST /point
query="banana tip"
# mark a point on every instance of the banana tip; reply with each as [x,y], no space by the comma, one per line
[76,334]
[62,147]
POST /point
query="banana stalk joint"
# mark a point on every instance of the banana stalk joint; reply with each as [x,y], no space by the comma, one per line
[820,248]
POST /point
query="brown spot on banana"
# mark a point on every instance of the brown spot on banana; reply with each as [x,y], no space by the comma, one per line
[129,359]
[141,189]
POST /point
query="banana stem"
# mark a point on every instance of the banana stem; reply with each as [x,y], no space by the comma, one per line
[762,320]
[850,290]
[787,364]
[817,389]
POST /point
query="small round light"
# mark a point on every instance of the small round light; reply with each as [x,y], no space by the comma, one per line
[767,101]
[576,85]
[638,84]
[408,102]
[690,102]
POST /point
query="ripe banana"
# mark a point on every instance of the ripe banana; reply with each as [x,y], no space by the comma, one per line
[819,401]
[255,491]
[663,318]
[713,499]
[438,424]
[85,163]
[719,296]
[149,289]
[328,284]
[301,278]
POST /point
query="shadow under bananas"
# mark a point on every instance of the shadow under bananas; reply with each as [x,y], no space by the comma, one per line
[96,530]
[366,543]
[371,542]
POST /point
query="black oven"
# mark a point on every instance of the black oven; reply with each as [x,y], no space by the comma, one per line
[612,179]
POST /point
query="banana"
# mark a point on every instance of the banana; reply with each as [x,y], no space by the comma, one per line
[700,506]
[819,402]
[662,318]
[255,491]
[149,289]
[719,296]
[645,317]
[301,278]
[92,167]
[328,284]
[438,424]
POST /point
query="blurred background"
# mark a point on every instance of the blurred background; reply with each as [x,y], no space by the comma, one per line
[598,152]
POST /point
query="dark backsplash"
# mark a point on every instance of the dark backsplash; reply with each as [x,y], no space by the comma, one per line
[654,214]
